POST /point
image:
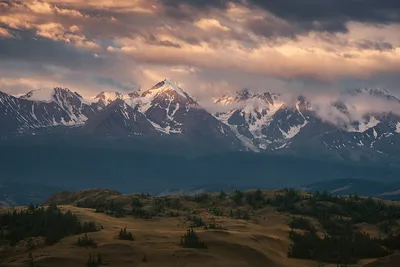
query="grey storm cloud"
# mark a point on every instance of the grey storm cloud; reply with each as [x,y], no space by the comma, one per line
[151,39]
[327,15]
[28,47]
[374,45]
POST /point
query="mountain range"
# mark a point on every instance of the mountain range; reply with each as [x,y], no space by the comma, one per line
[254,122]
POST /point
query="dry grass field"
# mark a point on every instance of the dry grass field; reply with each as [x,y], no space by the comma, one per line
[261,241]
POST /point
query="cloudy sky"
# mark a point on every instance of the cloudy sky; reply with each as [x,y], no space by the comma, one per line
[209,46]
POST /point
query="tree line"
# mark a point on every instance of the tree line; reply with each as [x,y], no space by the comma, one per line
[50,223]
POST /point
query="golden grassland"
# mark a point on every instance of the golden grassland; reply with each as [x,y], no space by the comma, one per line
[261,241]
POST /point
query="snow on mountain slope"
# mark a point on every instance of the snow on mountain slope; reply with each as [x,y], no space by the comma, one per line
[164,105]
[42,109]
[265,122]
[119,120]
[261,118]
[260,122]
[173,111]
[147,98]
[44,95]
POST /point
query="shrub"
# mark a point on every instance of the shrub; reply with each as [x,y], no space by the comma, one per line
[124,235]
[192,240]
[85,241]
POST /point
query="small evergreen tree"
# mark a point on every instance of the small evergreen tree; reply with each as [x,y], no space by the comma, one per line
[124,235]
[85,241]
[192,240]
[237,197]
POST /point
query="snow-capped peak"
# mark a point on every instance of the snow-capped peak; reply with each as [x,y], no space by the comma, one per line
[228,99]
[166,90]
[44,94]
[166,85]
[246,96]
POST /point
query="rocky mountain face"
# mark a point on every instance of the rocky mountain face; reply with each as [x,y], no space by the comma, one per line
[59,107]
[165,109]
[265,123]
[258,122]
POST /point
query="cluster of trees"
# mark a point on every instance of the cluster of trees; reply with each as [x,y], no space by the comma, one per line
[50,223]
[125,235]
[343,243]
[285,201]
[118,209]
[169,202]
[343,249]
[201,198]
[141,213]
[256,200]
[85,241]
[103,206]
[321,204]
[112,208]
[166,206]
[192,240]
[216,212]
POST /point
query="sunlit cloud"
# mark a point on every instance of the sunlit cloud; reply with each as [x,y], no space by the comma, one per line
[210,47]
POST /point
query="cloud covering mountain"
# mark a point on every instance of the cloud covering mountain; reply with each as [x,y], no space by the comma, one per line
[312,48]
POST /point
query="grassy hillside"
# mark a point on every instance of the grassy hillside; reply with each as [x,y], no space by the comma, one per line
[251,228]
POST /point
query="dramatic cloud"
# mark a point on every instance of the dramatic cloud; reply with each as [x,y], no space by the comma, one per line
[311,47]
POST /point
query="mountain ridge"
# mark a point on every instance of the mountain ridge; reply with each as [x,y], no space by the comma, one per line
[257,122]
